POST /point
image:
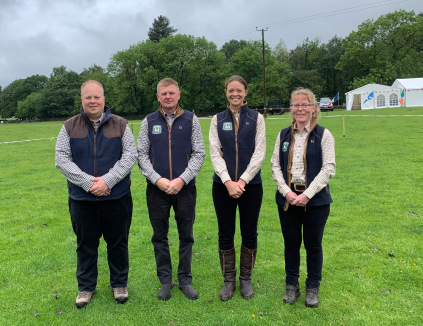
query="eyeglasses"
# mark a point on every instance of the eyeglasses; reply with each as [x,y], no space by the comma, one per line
[304,106]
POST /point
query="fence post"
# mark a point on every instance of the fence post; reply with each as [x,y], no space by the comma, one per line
[343,127]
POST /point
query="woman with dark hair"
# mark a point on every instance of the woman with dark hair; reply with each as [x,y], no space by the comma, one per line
[303,162]
[237,150]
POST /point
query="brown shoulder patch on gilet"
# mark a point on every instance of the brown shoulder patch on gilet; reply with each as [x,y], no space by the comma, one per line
[115,127]
[76,127]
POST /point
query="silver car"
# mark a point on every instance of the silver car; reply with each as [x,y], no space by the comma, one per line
[325,104]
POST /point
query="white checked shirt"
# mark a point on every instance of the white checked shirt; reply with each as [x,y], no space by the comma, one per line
[297,169]
[197,148]
[75,175]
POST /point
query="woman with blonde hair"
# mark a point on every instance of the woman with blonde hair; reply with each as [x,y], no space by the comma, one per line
[303,162]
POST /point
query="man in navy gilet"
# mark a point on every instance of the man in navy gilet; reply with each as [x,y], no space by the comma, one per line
[96,151]
[170,155]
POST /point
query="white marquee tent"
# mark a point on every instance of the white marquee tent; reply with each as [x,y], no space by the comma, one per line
[413,90]
[373,96]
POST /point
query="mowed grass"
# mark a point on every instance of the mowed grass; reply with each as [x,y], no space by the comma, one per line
[373,243]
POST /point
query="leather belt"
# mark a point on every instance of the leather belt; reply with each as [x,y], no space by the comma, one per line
[298,187]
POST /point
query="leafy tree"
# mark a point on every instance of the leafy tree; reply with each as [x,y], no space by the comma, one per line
[305,56]
[280,52]
[204,74]
[277,81]
[18,90]
[95,72]
[248,62]
[231,47]
[28,108]
[329,56]
[60,94]
[381,51]
[193,62]
[134,71]
[161,28]
[304,62]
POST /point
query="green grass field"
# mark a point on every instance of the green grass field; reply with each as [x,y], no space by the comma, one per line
[373,243]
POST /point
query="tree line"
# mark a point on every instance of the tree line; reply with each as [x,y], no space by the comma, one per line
[380,51]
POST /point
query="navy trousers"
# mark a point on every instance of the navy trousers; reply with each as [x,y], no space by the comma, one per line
[249,210]
[91,220]
[297,224]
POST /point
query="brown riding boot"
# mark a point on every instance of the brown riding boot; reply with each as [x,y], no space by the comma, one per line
[227,264]
[248,258]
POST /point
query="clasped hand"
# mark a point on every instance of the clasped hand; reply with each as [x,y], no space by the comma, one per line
[99,188]
[235,189]
[296,200]
[170,187]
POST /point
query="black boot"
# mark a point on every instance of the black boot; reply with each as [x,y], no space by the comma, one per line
[312,297]
[227,264]
[247,260]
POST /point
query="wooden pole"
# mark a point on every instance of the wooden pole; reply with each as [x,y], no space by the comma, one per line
[343,127]
[264,71]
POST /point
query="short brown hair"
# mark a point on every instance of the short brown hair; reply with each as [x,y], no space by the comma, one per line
[167,82]
[236,78]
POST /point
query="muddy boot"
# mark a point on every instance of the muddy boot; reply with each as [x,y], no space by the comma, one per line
[227,264]
[312,297]
[248,258]
[291,294]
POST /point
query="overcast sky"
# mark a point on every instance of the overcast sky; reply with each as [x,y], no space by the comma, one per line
[37,35]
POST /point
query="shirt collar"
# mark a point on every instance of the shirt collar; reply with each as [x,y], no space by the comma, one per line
[306,128]
[234,112]
[169,115]
[99,121]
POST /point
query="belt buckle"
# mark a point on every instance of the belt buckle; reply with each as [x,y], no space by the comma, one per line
[299,188]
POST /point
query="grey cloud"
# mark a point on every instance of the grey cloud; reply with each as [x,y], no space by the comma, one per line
[37,35]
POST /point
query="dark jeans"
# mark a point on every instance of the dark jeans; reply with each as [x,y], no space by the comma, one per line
[159,204]
[312,221]
[249,209]
[91,220]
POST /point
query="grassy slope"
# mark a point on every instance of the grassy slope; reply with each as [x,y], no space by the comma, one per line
[372,271]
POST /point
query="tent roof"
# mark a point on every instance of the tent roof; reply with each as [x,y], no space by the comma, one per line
[410,83]
[370,88]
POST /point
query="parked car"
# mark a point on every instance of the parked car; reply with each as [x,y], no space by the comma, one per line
[325,103]
[274,107]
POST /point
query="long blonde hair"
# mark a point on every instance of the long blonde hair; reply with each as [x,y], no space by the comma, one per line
[311,99]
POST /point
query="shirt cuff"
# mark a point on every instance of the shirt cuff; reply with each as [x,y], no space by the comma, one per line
[225,177]
[87,186]
[284,190]
[246,177]
[186,177]
[309,193]
[108,181]
[153,179]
